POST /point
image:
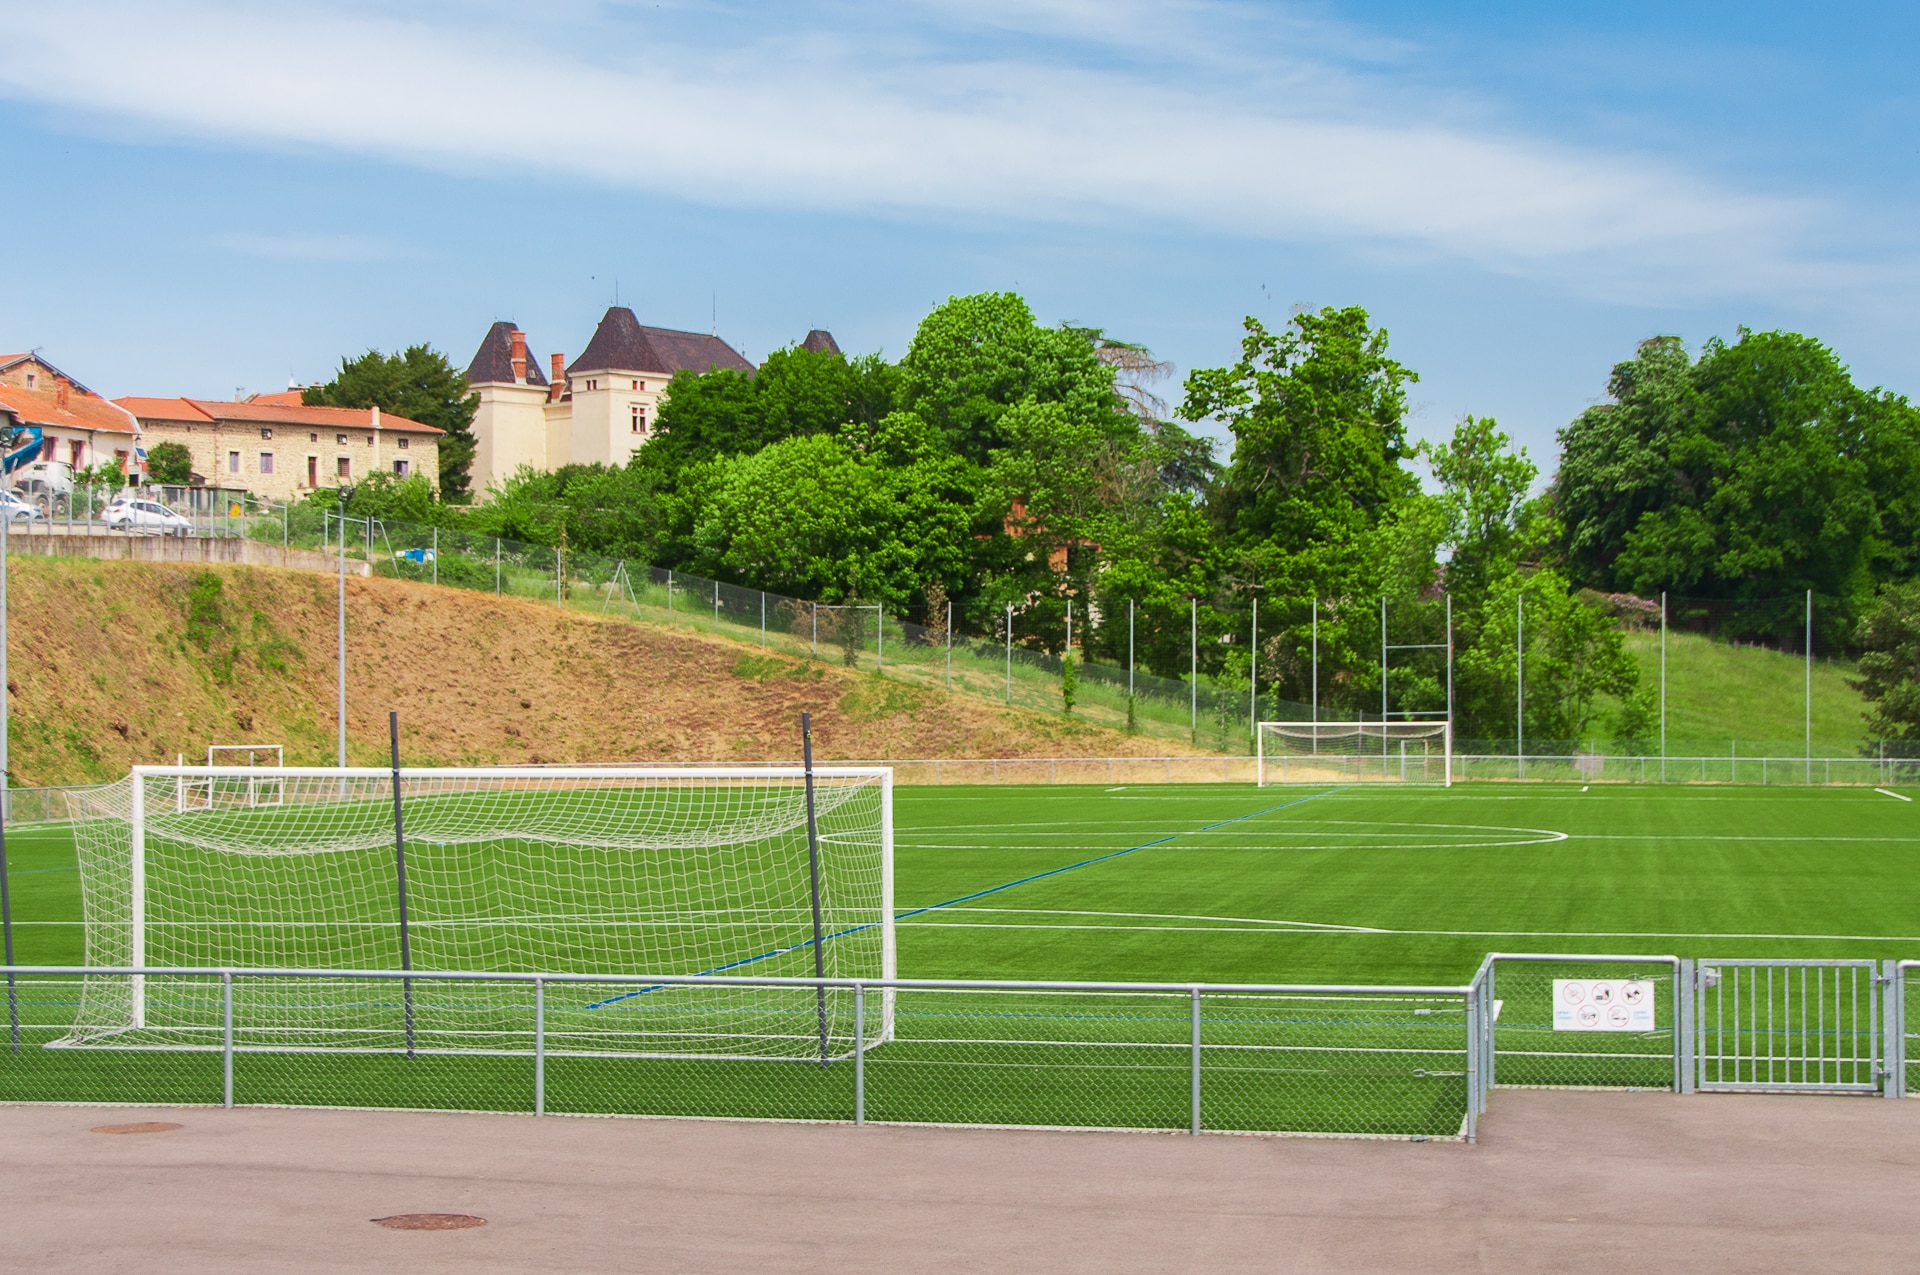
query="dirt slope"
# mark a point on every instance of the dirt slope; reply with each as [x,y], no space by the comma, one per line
[113,663]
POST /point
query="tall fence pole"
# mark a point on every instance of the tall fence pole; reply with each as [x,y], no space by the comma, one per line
[1809,685]
[880,643]
[813,614]
[949,646]
[436,555]
[1316,665]
[340,652]
[1383,670]
[1520,683]
[1129,650]
[1009,652]
[1193,668]
[1663,686]
[496,566]
[1253,673]
[763,617]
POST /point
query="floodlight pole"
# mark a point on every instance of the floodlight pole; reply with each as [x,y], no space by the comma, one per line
[400,877]
[813,868]
[1383,673]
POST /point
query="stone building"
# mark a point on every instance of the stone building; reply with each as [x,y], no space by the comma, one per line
[277,448]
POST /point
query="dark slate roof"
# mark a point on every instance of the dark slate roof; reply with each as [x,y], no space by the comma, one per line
[622,344]
[493,361]
[820,341]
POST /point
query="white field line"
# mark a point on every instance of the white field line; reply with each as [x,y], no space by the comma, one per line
[1895,795]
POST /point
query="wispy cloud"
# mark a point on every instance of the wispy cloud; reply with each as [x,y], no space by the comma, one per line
[1198,117]
[298,247]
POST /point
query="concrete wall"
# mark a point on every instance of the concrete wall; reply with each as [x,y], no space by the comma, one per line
[177,549]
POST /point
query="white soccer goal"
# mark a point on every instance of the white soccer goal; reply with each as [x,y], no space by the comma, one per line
[538,870]
[1403,752]
[198,794]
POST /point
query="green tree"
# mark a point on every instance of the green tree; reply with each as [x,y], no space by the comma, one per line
[1752,475]
[170,464]
[419,384]
[1889,675]
[1573,655]
[1317,414]
[1483,494]
[795,392]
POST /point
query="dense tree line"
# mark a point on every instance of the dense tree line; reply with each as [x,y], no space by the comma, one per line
[1005,463]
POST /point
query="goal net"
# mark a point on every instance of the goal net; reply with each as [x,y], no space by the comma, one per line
[1406,752]
[641,871]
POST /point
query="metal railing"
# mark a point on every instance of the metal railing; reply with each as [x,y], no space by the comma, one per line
[1361,1061]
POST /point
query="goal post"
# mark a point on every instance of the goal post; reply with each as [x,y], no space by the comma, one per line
[1411,752]
[681,871]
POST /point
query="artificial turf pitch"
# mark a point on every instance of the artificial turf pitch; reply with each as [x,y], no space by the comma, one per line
[1184,884]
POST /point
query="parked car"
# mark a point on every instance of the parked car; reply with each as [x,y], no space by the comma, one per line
[47,484]
[19,510]
[148,517]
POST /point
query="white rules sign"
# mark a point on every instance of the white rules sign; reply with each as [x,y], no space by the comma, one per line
[1602,1005]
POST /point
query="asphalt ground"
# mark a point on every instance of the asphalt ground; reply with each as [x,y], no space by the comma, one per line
[1560,1181]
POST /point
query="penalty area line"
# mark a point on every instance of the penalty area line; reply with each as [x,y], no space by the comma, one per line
[1895,795]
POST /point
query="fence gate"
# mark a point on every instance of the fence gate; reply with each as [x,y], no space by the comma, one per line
[1812,1026]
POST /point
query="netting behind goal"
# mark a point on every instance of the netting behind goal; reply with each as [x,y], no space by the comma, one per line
[1404,752]
[630,871]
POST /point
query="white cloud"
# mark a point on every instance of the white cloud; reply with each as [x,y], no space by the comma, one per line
[1018,121]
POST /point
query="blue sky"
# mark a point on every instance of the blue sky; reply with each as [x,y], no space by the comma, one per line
[208,197]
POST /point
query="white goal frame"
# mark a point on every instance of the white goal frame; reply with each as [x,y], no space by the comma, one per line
[137,918]
[1360,763]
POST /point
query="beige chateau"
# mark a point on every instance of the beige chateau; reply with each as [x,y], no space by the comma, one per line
[601,410]
[278,448]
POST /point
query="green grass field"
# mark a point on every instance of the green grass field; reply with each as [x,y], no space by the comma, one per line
[1176,884]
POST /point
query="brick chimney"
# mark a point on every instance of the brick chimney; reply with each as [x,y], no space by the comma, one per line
[519,339]
[558,379]
[60,391]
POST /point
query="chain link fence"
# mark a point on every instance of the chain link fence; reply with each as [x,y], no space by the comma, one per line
[1352,1061]
[1537,1038]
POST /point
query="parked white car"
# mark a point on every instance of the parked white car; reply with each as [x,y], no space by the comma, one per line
[19,510]
[148,517]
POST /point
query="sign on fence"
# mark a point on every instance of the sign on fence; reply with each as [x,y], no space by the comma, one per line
[1602,1005]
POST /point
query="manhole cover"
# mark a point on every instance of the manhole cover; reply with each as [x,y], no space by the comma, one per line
[145,1126]
[429,1221]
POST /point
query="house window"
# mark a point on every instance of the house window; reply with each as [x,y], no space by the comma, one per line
[340,439]
[639,420]
[266,462]
[593,384]
[313,438]
[266,433]
[636,385]
[313,471]
[75,450]
[400,466]
[233,462]
[32,380]
[403,442]
[344,466]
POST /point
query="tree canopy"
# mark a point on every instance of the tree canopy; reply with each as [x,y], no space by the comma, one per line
[419,384]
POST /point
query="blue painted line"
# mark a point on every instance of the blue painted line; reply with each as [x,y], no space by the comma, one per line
[966,898]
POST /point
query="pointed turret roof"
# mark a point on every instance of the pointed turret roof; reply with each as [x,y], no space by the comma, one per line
[623,344]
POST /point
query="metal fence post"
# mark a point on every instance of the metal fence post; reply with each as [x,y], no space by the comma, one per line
[1473,1059]
[859,1053]
[226,1038]
[1685,976]
[1894,1033]
[1194,1113]
[539,1046]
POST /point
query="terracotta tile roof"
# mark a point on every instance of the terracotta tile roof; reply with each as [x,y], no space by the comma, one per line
[622,344]
[261,412]
[82,410]
[493,361]
[164,409]
[285,398]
